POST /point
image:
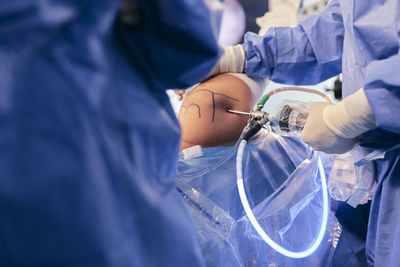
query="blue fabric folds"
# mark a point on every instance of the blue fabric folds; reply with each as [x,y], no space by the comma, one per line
[88,139]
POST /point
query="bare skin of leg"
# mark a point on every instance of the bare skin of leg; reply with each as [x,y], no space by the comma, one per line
[204,118]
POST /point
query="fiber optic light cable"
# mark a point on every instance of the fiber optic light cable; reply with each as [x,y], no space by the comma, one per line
[293,254]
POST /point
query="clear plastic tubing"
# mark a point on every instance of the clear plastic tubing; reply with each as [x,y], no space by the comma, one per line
[300,89]
[292,254]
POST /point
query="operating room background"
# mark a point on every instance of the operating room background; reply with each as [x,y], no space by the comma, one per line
[256,8]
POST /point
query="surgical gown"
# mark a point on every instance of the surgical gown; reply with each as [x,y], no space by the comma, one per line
[88,139]
[361,40]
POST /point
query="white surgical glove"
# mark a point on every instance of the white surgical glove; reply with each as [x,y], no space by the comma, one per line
[282,13]
[231,61]
[333,128]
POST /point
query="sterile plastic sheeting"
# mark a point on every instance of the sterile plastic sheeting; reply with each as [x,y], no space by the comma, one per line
[285,196]
[347,178]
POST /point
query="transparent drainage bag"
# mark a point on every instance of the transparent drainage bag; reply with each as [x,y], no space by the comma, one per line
[283,187]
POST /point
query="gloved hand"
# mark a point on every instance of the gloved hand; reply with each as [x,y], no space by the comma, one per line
[231,61]
[282,13]
[317,134]
[334,128]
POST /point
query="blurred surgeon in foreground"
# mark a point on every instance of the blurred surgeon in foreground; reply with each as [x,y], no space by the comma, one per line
[88,139]
[361,40]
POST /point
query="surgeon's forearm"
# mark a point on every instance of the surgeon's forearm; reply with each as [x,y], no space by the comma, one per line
[299,55]
[382,88]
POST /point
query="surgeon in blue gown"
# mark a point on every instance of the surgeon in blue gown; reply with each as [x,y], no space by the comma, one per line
[88,139]
[361,40]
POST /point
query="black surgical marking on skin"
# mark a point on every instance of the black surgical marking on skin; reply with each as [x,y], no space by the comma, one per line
[212,98]
[192,104]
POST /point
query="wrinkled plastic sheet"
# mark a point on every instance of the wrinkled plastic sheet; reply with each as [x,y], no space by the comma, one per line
[282,184]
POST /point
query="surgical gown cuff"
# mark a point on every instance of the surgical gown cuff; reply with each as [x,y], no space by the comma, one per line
[350,117]
[231,61]
[258,57]
[235,58]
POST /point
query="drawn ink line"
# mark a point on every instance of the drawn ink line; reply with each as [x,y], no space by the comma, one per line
[213,99]
[192,104]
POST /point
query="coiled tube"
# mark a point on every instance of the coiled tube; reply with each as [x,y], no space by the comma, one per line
[293,254]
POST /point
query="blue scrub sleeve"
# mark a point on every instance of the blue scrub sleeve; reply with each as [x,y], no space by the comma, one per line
[382,87]
[177,40]
[306,54]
